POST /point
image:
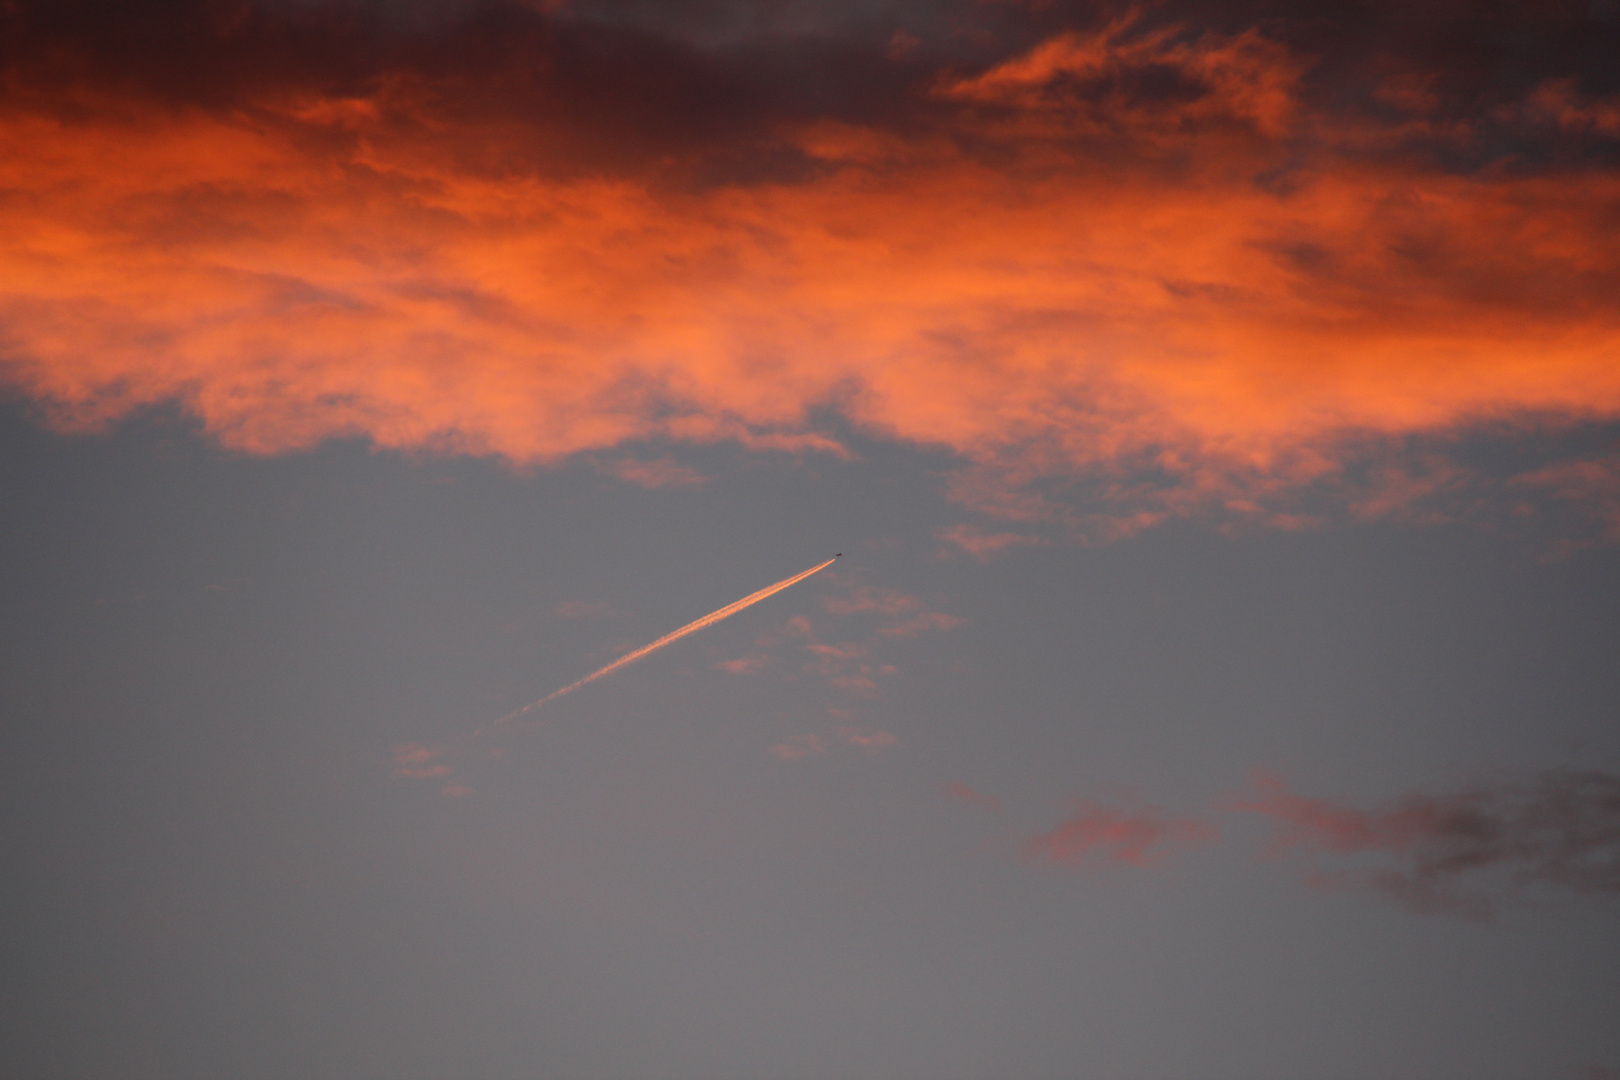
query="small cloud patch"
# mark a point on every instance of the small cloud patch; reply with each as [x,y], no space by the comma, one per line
[965,795]
[799,747]
[659,473]
[985,546]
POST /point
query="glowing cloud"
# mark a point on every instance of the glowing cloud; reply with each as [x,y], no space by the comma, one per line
[1130,250]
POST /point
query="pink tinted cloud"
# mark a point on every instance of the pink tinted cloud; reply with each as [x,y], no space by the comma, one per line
[921,623]
[984,545]
[879,600]
[884,601]
[413,761]
[1458,852]
[1591,485]
[744,665]
[1097,834]
[799,747]
[869,739]
[843,650]
[846,665]
[1306,822]
[663,472]
[965,795]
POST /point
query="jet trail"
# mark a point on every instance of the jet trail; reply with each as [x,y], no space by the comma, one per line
[690,628]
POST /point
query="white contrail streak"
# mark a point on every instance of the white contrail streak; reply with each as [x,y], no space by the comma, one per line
[690,628]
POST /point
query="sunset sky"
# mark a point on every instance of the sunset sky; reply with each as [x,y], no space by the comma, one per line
[1216,404]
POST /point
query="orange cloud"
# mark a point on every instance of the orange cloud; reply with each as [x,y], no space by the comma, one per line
[1050,267]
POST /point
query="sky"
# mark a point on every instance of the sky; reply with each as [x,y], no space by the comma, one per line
[1216,405]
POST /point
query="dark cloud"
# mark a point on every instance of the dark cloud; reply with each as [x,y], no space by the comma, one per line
[704,94]
[619,85]
[566,92]
[1459,852]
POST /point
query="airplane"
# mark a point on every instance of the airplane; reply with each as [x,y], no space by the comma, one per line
[840,555]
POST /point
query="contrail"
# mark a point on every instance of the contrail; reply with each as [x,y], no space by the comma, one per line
[690,628]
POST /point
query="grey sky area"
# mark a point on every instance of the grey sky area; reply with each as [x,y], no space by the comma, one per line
[210,660]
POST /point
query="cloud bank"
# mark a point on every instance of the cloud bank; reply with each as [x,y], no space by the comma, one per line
[1199,253]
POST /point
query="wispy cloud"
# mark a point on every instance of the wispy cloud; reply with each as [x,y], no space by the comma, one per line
[891,603]
[873,599]
[659,473]
[582,609]
[983,545]
[412,761]
[921,623]
[967,796]
[1591,484]
[869,739]
[1097,834]
[743,665]
[1458,852]
[799,747]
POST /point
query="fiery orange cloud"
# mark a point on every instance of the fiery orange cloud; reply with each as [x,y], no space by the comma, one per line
[1046,268]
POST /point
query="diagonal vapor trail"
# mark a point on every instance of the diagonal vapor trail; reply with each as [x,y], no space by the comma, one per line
[673,636]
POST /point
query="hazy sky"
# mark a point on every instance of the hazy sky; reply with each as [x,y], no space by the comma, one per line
[1217,406]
